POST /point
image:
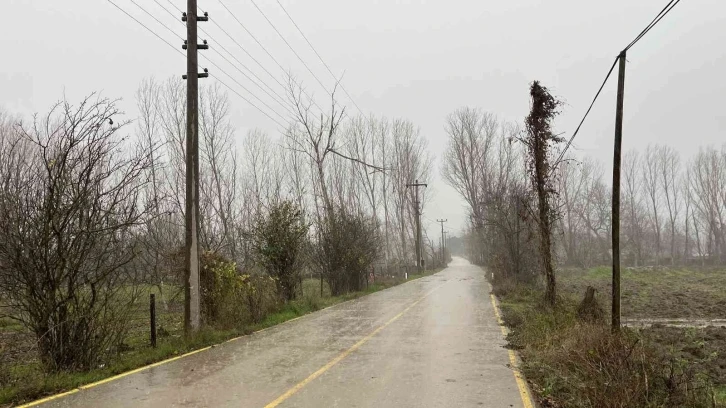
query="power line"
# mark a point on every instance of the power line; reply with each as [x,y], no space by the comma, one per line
[249,55]
[248,101]
[251,80]
[253,36]
[175,6]
[279,99]
[243,87]
[668,7]
[157,20]
[263,48]
[318,55]
[291,48]
[228,61]
[569,142]
[167,10]
[655,21]
[147,28]
[213,64]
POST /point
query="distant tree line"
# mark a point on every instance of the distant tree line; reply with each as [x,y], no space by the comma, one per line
[672,211]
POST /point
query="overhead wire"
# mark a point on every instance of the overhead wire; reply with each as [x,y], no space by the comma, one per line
[291,48]
[264,49]
[274,78]
[668,7]
[147,28]
[282,127]
[569,142]
[655,21]
[243,87]
[277,98]
[318,55]
[229,62]
[216,66]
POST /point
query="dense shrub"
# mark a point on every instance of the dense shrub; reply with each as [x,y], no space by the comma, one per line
[278,240]
[230,298]
[347,247]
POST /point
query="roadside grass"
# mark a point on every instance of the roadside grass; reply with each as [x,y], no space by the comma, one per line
[23,381]
[720,395]
[570,363]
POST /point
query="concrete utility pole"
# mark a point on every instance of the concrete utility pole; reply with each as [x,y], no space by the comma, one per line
[616,195]
[416,185]
[191,215]
[443,259]
[446,238]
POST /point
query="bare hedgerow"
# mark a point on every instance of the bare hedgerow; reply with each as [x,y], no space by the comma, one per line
[69,205]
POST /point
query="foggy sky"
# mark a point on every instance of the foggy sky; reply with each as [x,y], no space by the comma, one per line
[418,60]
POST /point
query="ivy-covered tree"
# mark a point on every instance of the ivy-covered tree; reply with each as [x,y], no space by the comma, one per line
[539,141]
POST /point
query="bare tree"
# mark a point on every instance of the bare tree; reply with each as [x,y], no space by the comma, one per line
[653,190]
[708,182]
[313,137]
[634,223]
[670,166]
[161,237]
[219,172]
[408,161]
[69,214]
[471,134]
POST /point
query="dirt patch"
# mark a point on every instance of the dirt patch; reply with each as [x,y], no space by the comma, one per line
[655,292]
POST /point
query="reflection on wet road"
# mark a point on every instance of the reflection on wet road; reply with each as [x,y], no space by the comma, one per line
[433,342]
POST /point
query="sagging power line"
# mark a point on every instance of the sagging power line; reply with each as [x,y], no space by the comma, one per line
[669,6]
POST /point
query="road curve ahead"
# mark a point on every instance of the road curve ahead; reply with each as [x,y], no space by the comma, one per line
[432,342]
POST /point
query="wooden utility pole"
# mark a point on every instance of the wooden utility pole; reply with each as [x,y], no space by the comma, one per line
[152,319]
[443,259]
[518,253]
[616,195]
[191,215]
[416,185]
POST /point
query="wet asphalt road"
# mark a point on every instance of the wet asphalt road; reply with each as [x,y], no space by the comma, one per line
[432,342]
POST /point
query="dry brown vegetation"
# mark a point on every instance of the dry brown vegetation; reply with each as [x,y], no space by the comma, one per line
[672,214]
[572,363]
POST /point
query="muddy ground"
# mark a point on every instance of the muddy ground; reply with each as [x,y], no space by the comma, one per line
[652,292]
[703,349]
[681,297]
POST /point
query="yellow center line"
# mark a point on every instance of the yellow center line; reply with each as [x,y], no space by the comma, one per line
[345,354]
[521,384]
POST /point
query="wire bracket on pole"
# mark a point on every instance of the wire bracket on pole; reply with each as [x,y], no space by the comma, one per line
[203,46]
[204,74]
[205,17]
